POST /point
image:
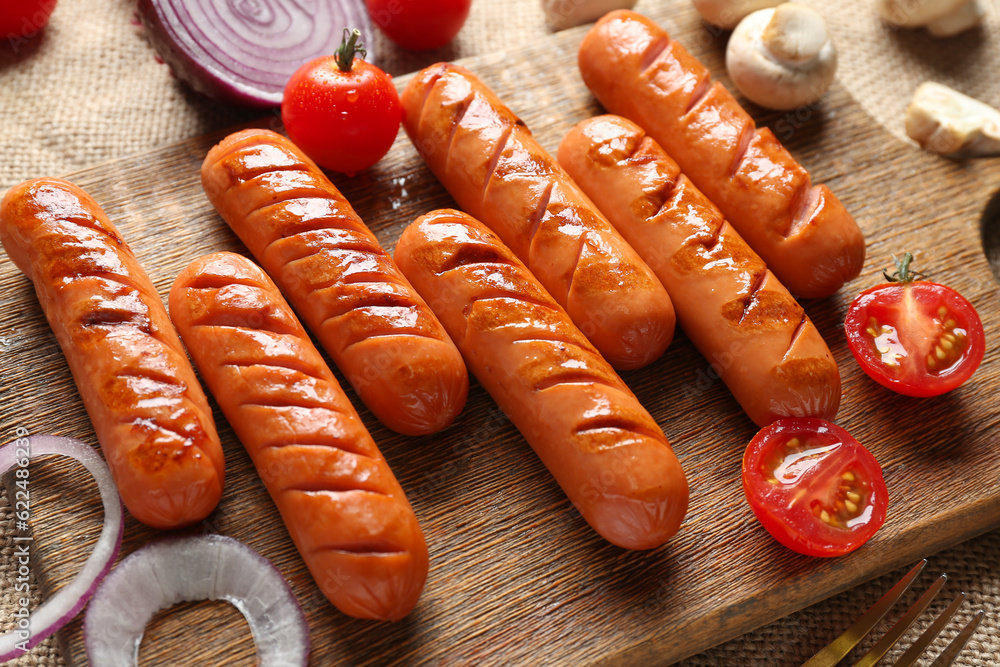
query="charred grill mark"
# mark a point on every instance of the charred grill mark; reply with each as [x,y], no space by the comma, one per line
[432,82]
[699,93]
[749,131]
[456,123]
[498,293]
[804,205]
[752,297]
[267,324]
[115,317]
[206,281]
[539,213]
[278,403]
[332,487]
[92,223]
[576,263]
[295,366]
[653,53]
[799,328]
[379,548]
[617,423]
[470,254]
[323,440]
[491,166]
[575,377]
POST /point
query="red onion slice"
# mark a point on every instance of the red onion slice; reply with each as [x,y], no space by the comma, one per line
[201,567]
[69,600]
[244,51]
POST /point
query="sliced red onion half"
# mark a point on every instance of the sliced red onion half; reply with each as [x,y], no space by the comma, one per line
[244,51]
[55,612]
[200,567]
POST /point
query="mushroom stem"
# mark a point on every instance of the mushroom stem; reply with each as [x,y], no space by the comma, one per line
[795,33]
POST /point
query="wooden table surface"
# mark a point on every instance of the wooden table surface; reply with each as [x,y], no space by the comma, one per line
[517,577]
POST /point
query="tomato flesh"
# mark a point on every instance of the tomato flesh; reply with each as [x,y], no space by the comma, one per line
[918,339]
[813,487]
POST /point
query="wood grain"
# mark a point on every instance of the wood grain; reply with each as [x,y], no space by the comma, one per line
[516,576]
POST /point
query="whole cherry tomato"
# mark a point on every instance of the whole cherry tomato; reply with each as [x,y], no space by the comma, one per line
[813,487]
[419,24]
[23,18]
[343,113]
[915,337]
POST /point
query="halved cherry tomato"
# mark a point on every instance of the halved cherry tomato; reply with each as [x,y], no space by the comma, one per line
[813,487]
[343,112]
[915,337]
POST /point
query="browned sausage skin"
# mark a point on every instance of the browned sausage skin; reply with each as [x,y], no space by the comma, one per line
[489,162]
[733,309]
[605,451]
[801,230]
[148,410]
[343,507]
[332,269]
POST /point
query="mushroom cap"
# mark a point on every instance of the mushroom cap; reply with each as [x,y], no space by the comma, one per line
[727,13]
[782,58]
[915,13]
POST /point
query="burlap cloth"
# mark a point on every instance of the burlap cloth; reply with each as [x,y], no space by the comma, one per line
[53,121]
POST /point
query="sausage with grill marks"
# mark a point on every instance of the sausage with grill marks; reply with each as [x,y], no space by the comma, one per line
[344,509]
[332,269]
[148,410]
[757,337]
[489,162]
[604,449]
[801,230]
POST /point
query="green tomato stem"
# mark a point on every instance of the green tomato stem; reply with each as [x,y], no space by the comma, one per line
[903,274]
[349,47]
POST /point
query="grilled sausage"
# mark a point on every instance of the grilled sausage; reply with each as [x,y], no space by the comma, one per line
[801,230]
[758,339]
[373,324]
[343,507]
[605,451]
[489,162]
[149,412]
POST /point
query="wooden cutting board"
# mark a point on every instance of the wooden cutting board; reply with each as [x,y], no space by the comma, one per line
[517,577]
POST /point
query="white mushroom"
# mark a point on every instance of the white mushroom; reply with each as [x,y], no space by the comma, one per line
[782,58]
[942,18]
[727,13]
[969,15]
[945,121]
[562,14]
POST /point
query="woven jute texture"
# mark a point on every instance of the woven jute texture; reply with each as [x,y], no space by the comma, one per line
[90,89]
